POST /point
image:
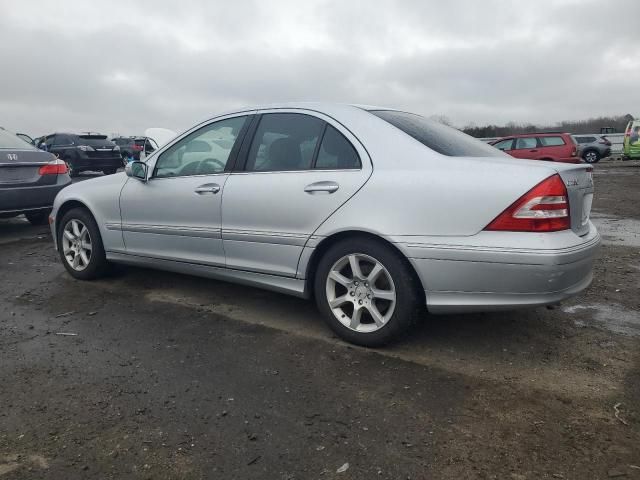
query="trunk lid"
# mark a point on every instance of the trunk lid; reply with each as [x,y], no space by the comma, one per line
[579,182]
[20,168]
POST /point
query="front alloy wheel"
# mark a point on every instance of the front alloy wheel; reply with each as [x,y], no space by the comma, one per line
[76,245]
[80,245]
[361,293]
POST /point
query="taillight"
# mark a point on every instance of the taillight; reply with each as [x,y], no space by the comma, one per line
[56,167]
[137,148]
[574,151]
[544,208]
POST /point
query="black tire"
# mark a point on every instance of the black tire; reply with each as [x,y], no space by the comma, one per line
[408,298]
[38,218]
[109,171]
[591,156]
[98,265]
[72,171]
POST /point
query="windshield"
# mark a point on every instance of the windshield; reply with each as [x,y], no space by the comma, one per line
[11,141]
[441,138]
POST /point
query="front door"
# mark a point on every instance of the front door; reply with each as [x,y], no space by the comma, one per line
[297,170]
[175,214]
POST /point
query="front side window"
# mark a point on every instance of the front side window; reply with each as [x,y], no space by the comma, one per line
[284,142]
[336,152]
[504,144]
[438,137]
[526,142]
[204,152]
[50,141]
[551,141]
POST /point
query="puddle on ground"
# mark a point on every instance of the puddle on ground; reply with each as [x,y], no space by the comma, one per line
[615,318]
[617,231]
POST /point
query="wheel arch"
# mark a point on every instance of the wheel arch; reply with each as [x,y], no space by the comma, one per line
[334,238]
[67,206]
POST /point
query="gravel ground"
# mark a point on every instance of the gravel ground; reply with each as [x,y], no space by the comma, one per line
[156,375]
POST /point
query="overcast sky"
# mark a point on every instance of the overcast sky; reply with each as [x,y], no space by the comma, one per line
[122,66]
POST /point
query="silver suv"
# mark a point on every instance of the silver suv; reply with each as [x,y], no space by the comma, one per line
[592,148]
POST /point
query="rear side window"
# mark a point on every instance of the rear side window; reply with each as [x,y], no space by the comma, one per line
[526,142]
[336,152]
[284,142]
[440,138]
[551,141]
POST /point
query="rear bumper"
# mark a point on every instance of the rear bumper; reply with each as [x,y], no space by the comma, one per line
[25,199]
[86,163]
[472,278]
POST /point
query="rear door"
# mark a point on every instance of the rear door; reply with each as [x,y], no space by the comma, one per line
[526,147]
[297,168]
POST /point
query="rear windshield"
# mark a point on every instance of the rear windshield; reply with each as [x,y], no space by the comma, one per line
[94,140]
[441,138]
[93,137]
[123,141]
[11,141]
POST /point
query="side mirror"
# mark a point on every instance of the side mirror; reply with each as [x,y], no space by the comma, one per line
[136,170]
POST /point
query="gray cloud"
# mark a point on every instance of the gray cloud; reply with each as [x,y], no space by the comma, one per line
[124,66]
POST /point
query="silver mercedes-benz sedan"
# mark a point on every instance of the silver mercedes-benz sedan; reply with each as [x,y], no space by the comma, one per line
[374,212]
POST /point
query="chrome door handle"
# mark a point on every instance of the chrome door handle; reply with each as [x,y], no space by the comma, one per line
[207,188]
[322,187]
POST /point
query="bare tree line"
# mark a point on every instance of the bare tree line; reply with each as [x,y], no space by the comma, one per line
[592,125]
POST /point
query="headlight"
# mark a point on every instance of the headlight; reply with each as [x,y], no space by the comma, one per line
[85,148]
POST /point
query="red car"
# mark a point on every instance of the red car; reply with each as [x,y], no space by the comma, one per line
[556,147]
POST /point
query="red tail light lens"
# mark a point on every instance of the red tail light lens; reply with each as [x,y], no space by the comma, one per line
[137,148]
[544,208]
[57,167]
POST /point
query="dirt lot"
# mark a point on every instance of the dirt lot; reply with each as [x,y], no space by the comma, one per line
[157,375]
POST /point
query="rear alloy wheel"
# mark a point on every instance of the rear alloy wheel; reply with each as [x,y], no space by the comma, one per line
[80,245]
[366,292]
[591,156]
[38,218]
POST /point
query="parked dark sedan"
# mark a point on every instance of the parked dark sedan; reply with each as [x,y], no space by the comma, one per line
[90,151]
[29,179]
